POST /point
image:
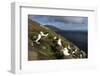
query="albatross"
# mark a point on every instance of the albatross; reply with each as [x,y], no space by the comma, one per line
[40,35]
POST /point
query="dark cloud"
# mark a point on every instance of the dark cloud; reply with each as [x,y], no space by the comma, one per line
[62,22]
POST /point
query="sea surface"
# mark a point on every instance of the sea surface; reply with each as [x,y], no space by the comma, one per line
[79,38]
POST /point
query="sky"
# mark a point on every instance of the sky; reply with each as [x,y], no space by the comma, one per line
[73,23]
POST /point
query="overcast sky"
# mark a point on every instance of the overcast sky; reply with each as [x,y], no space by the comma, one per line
[74,23]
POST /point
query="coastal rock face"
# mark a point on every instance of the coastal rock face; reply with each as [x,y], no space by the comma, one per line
[47,49]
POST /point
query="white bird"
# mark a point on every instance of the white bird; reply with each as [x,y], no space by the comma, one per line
[74,51]
[81,55]
[42,34]
[39,36]
[55,38]
[59,42]
[69,47]
[65,51]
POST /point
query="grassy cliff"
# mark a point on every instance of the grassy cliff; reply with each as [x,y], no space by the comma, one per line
[46,49]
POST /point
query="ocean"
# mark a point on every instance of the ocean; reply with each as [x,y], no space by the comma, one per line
[79,38]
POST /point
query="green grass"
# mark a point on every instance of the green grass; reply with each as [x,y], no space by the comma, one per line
[45,49]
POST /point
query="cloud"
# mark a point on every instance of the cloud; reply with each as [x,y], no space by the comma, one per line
[62,22]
